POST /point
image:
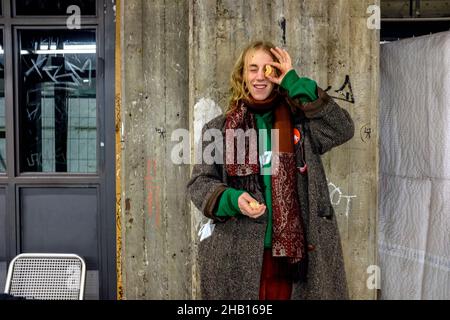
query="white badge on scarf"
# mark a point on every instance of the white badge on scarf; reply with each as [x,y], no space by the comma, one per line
[265,158]
[206,230]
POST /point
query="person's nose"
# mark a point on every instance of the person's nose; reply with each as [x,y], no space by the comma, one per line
[260,75]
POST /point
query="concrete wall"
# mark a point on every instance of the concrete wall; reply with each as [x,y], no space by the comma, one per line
[177,59]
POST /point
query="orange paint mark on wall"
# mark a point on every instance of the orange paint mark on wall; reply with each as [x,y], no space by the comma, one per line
[153,192]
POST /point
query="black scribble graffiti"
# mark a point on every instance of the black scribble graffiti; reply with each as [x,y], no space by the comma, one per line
[365,133]
[282,24]
[345,91]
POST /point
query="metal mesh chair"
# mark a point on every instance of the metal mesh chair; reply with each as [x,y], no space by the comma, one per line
[46,276]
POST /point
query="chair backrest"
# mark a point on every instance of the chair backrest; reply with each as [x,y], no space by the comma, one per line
[46,276]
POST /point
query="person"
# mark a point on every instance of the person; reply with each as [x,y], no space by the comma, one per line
[275,235]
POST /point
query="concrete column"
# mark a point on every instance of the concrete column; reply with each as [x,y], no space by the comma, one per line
[155,220]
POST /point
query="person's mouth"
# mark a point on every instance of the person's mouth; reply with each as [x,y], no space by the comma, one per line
[260,86]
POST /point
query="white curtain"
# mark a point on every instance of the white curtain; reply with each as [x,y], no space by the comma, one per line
[414,202]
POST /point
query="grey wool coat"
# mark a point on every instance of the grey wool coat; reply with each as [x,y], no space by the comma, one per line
[230,261]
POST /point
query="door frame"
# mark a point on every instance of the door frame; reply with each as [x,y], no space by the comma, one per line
[12,180]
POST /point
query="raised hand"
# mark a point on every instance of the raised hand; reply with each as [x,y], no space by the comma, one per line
[284,66]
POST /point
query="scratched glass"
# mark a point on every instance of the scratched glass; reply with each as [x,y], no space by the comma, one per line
[57,101]
[2,107]
[53,7]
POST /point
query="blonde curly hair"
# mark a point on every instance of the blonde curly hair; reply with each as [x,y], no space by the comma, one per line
[238,88]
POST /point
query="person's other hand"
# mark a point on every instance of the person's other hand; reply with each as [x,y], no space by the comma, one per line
[244,202]
[284,66]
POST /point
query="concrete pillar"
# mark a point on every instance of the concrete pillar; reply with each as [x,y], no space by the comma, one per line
[155,219]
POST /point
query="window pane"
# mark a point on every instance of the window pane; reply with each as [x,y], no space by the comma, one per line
[2,107]
[58,113]
[53,7]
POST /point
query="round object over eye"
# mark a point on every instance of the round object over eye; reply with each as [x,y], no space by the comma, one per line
[268,70]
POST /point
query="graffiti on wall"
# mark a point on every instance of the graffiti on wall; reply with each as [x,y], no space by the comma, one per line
[344,92]
[336,195]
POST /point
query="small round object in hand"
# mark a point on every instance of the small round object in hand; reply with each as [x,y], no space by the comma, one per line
[254,205]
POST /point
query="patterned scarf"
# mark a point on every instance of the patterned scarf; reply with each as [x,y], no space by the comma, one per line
[288,235]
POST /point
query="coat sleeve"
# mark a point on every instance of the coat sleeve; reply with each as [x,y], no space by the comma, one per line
[206,186]
[329,125]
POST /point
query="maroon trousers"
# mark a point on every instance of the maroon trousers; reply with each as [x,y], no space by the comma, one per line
[276,278]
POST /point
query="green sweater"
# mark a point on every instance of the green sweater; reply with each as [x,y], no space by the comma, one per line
[301,88]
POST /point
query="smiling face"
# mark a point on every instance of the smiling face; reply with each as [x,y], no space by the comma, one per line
[258,85]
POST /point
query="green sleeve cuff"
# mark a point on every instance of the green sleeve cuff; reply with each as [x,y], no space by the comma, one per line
[228,203]
[303,88]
